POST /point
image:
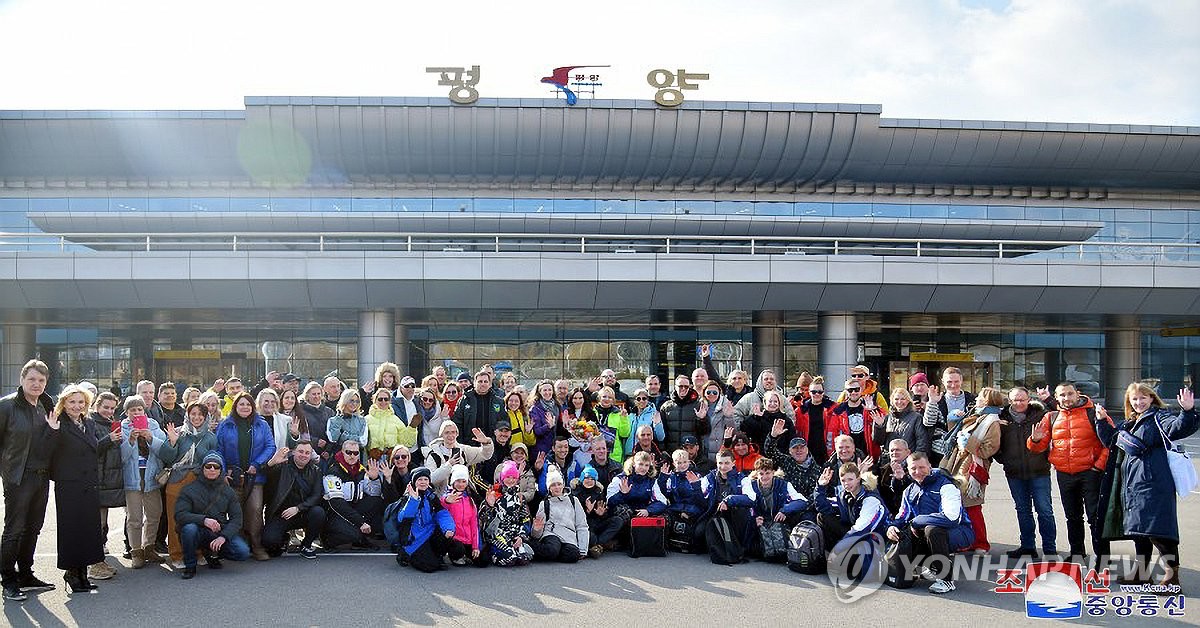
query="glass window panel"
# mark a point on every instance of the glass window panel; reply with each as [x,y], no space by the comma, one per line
[852,210]
[968,211]
[213,204]
[332,205]
[1132,215]
[13,219]
[291,204]
[655,207]
[241,204]
[696,207]
[1177,216]
[452,205]
[370,204]
[1132,230]
[615,206]
[494,205]
[86,204]
[1169,231]
[734,207]
[929,211]
[1005,212]
[48,205]
[575,205]
[533,205]
[890,210]
[1044,213]
[128,204]
[779,208]
[1091,214]
[168,204]
[412,204]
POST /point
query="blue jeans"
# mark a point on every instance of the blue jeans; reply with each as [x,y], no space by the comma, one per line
[193,537]
[1034,492]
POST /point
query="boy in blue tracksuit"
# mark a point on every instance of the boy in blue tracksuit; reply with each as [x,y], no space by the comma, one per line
[931,511]
[856,511]
[771,499]
[720,487]
[430,526]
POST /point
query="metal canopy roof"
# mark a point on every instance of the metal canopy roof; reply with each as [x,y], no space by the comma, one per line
[539,143]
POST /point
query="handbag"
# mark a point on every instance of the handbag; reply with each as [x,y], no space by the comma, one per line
[1182,470]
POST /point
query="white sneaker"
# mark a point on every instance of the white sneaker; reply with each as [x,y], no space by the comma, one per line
[940,586]
[927,574]
[100,571]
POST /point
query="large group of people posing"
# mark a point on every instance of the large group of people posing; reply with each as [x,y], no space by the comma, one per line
[478,470]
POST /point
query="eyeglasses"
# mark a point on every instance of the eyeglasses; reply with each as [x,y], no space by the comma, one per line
[817,391]
[450,393]
[400,457]
[383,399]
[426,400]
[409,386]
[712,393]
[858,375]
[349,453]
[683,386]
[643,398]
[212,466]
[850,390]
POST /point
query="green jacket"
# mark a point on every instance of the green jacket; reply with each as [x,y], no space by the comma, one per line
[618,425]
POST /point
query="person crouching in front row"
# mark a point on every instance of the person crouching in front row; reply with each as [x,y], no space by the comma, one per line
[209,515]
[426,527]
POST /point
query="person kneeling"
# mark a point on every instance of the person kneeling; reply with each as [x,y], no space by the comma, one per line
[560,529]
[931,512]
[430,527]
[857,511]
[209,515]
[464,545]
[295,500]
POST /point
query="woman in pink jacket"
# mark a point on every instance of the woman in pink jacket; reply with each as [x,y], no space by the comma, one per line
[464,547]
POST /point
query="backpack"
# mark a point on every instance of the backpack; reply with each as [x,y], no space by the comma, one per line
[806,549]
[899,576]
[393,530]
[647,537]
[723,547]
[681,534]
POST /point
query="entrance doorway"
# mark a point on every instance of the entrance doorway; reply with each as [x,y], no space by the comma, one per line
[976,375]
[200,368]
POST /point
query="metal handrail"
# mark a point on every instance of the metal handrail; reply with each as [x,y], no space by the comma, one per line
[591,243]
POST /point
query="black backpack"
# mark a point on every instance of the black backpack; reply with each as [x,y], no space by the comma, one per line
[899,576]
[806,549]
[723,547]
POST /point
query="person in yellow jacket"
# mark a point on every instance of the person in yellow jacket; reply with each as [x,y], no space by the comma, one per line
[519,419]
[385,430]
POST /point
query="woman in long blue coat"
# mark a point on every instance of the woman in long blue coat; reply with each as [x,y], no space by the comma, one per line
[1137,494]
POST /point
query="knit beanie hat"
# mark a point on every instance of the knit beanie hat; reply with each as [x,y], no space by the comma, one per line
[458,472]
[590,472]
[421,472]
[553,476]
[509,470]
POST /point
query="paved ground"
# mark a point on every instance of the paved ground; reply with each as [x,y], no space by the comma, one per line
[685,590]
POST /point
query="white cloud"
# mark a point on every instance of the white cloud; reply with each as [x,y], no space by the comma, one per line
[1069,60]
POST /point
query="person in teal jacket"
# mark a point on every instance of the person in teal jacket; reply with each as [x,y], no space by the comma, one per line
[644,413]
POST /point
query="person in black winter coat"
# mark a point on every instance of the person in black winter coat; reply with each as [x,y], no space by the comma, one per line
[481,407]
[1028,473]
[112,469]
[679,413]
[28,434]
[294,493]
[395,474]
[76,490]
[757,425]
[354,498]
[209,515]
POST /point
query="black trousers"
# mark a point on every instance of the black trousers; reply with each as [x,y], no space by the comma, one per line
[24,514]
[933,543]
[604,530]
[338,531]
[833,528]
[1168,551]
[1080,493]
[428,557]
[551,548]
[275,532]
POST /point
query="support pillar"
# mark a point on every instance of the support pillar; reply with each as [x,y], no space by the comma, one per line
[837,347]
[1122,357]
[18,348]
[400,350]
[767,336]
[375,344]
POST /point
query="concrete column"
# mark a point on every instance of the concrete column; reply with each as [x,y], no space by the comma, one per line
[837,346]
[400,350]
[1122,357]
[375,344]
[18,348]
[767,337]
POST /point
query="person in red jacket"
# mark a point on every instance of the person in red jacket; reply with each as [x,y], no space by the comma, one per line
[1079,456]
[857,415]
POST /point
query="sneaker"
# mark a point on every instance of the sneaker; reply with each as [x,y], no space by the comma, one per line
[100,571]
[213,561]
[188,573]
[161,548]
[308,552]
[139,559]
[940,586]
[260,554]
[596,551]
[14,593]
[461,561]
[31,583]
[927,574]
[151,554]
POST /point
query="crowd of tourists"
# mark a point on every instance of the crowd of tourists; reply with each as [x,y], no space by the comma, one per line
[477,470]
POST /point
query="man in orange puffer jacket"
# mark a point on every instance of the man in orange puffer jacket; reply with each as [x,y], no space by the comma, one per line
[1079,457]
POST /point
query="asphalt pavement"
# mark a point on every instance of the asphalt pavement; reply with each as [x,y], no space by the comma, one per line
[362,589]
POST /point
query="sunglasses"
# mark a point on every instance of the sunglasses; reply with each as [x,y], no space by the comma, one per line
[817,391]
[383,399]
[641,399]
[712,393]
[683,386]
[450,393]
[410,386]
[850,390]
[427,399]
[349,453]
[213,466]
[858,375]
[400,457]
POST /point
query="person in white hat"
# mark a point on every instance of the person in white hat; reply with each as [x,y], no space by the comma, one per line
[560,528]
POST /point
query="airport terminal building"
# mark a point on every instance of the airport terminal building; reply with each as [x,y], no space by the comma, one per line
[325,235]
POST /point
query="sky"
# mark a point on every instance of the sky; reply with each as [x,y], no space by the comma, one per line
[1105,61]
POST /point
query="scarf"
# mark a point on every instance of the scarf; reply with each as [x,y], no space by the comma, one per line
[354,472]
[188,459]
[550,408]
